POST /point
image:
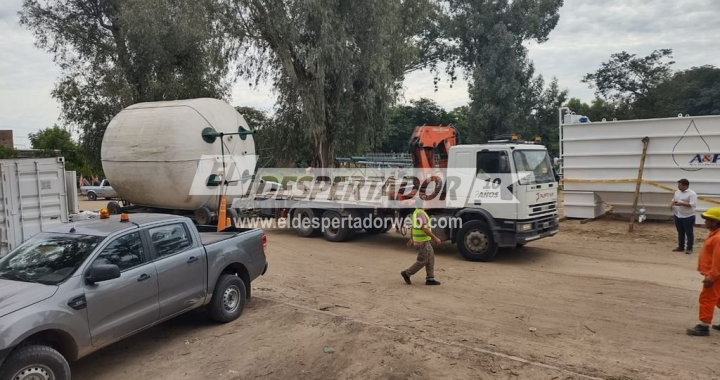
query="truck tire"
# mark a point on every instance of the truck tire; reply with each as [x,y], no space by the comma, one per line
[114,208]
[303,229]
[91,196]
[35,362]
[475,241]
[342,233]
[233,215]
[203,216]
[228,299]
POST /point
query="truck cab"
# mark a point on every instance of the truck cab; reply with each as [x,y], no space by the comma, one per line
[528,210]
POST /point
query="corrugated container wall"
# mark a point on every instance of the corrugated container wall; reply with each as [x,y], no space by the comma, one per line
[33,198]
[602,159]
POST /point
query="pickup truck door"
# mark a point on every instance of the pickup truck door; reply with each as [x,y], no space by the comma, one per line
[119,307]
[180,262]
[104,189]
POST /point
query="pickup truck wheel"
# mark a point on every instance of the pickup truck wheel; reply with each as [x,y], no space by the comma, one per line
[228,300]
[333,228]
[475,241]
[35,363]
[91,196]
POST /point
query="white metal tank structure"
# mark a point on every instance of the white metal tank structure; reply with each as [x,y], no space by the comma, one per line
[601,162]
[151,152]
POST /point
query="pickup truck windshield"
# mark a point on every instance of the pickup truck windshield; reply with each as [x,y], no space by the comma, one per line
[48,258]
[535,164]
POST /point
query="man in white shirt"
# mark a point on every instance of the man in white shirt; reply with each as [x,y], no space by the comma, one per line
[683,204]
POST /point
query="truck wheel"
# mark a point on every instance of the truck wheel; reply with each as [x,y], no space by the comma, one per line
[114,208]
[303,219]
[203,217]
[91,196]
[35,363]
[228,299]
[336,231]
[475,241]
[233,215]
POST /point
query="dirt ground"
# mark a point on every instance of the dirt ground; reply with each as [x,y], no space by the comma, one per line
[593,302]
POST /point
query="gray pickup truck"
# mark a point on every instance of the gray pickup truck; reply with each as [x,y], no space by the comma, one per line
[74,289]
[104,190]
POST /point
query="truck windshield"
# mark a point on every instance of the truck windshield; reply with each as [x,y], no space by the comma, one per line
[47,258]
[535,164]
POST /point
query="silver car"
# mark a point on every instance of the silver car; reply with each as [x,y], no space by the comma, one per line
[74,289]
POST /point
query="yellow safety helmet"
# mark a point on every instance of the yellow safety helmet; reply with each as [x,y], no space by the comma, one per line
[713,213]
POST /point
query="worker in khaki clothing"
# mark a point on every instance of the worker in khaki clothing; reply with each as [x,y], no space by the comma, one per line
[420,239]
[709,267]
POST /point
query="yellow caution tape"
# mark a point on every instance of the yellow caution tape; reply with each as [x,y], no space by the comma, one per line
[632,180]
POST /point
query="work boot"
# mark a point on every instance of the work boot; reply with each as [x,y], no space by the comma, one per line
[406,277]
[678,249]
[432,282]
[716,327]
[699,330]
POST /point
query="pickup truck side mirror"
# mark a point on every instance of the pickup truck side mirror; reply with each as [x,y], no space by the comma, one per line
[102,272]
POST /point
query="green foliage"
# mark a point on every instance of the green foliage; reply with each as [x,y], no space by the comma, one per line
[116,53]
[543,120]
[336,64]
[646,87]
[405,118]
[6,153]
[50,141]
[488,37]
[695,92]
[626,78]
[600,109]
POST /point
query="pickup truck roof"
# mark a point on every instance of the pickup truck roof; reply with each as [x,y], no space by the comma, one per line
[106,227]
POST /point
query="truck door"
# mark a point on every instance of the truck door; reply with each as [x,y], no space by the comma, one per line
[493,169]
[181,268]
[121,306]
[104,190]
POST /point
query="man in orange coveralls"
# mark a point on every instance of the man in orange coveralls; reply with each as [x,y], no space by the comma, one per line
[709,266]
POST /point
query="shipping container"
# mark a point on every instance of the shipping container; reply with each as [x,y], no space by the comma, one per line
[34,197]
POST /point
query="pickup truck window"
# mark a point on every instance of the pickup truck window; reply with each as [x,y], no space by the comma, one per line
[171,239]
[126,252]
[48,258]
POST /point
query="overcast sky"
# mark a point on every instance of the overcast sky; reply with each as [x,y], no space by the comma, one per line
[588,32]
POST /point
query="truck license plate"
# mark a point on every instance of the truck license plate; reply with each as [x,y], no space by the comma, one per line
[546,225]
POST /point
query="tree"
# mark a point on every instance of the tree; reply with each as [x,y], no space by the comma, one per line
[544,120]
[114,53]
[405,118]
[6,153]
[55,139]
[488,37]
[337,64]
[600,109]
[628,79]
[695,91]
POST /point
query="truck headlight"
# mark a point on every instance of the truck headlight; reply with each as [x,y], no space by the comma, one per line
[522,227]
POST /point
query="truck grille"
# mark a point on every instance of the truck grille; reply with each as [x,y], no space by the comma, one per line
[543,208]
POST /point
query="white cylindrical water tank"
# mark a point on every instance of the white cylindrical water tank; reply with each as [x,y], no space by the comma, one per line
[151,152]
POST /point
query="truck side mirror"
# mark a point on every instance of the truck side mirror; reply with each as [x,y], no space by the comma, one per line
[102,272]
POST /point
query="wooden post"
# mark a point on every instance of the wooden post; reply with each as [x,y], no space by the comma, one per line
[638,184]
